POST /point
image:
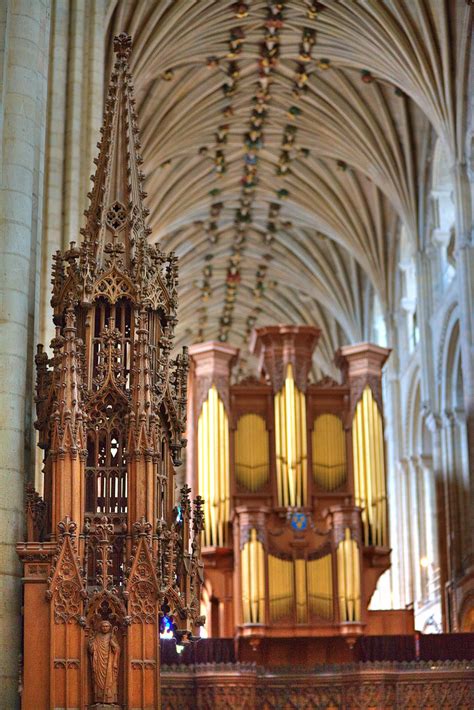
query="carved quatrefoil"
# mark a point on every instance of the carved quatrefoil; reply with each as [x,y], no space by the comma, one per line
[116,217]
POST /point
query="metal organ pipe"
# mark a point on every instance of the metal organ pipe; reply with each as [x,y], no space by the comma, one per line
[213,469]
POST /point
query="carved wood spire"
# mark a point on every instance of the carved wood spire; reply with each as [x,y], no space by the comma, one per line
[67,421]
[116,215]
[142,417]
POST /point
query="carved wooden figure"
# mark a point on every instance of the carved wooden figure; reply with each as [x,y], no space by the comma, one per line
[104,651]
[108,548]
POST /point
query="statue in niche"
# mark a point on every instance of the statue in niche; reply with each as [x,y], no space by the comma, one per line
[104,652]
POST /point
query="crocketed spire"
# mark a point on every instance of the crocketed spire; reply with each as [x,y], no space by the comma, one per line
[116,215]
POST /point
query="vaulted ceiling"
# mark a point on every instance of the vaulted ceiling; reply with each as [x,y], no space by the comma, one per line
[285,144]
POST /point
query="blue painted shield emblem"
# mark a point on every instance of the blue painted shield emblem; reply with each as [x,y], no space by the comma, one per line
[299,521]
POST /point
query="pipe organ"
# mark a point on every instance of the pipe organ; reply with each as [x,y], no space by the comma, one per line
[302,537]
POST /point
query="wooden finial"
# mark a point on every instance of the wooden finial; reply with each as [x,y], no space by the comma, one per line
[123,45]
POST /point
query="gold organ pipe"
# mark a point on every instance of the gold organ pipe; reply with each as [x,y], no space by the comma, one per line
[253,576]
[281,588]
[278,446]
[329,452]
[261,583]
[320,587]
[253,580]
[368,456]
[348,573]
[284,475]
[382,498]
[291,413]
[245,583]
[301,592]
[290,442]
[378,471]
[304,450]
[376,445]
[305,587]
[226,464]
[251,452]
[369,469]
[213,468]
[341,582]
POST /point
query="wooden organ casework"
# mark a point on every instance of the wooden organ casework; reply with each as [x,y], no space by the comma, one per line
[109,551]
[293,478]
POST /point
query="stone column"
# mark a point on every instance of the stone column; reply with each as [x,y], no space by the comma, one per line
[394,450]
[465,278]
[414,541]
[74,117]
[425,293]
[75,101]
[431,525]
[25,40]
[434,424]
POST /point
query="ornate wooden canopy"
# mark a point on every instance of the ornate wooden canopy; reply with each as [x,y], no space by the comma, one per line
[109,551]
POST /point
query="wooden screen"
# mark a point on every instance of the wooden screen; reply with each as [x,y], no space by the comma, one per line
[114,316]
[106,472]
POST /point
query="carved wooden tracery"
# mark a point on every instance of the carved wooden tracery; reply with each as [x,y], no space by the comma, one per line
[111,404]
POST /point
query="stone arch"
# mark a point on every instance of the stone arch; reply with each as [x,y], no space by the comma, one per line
[450,360]
[450,317]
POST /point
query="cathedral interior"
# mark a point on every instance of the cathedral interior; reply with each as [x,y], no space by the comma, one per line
[237,354]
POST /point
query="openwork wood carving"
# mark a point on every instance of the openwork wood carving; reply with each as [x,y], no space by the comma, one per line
[66,588]
[111,406]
